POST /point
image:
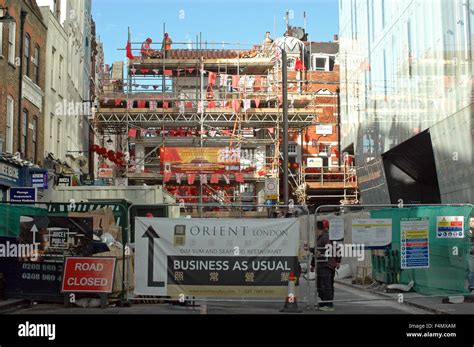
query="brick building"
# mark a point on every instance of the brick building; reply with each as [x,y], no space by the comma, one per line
[21,117]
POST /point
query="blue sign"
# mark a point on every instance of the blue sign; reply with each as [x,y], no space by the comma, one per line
[39,180]
[415,243]
[23,195]
[10,175]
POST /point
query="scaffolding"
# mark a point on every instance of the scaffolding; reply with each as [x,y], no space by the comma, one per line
[200,97]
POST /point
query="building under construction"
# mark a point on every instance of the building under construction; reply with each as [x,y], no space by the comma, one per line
[206,123]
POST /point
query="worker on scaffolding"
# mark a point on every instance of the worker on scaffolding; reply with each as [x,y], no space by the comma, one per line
[166,46]
[146,50]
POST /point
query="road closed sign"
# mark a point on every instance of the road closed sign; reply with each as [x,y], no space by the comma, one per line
[88,274]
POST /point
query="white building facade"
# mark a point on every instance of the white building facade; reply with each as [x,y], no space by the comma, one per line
[68,104]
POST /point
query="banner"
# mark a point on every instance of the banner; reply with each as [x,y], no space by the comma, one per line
[205,160]
[215,257]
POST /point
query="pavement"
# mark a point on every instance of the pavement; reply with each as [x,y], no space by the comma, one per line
[11,305]
[431,304]
[348,300]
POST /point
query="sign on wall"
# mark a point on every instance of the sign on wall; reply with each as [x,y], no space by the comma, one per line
[372,232]
[336,229]
[215,256]
[271,188]
[39,180]
[314,162]
[9,174]
[450,227]
[64,181]
[23,195]
[324,129]
[414,243]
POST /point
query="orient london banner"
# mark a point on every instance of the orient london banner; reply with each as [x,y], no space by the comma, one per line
[199,160]
[215,257]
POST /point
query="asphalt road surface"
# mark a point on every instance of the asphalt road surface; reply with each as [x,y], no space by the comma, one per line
[348,301]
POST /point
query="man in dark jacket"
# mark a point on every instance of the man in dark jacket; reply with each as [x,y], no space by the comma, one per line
[326,268]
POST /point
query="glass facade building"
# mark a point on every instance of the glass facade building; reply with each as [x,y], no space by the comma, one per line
[406,98]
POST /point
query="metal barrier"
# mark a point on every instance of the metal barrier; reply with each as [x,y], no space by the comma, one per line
[423,246]
[11,212]
[278,210]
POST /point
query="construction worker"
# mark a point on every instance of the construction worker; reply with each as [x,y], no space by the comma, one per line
[166,46]
[146,50]
[326,267]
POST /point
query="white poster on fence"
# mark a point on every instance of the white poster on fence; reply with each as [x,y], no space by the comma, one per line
[336,229]
[372,232]
[215,257]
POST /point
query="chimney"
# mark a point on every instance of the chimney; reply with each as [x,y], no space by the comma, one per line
[336,37]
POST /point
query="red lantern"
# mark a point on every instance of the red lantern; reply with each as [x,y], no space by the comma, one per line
[119,155]
[102,151]
[111,153]
[95,148]
[296,165]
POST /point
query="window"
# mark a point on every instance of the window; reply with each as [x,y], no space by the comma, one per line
[292,149]
[51,130]
[9,134]
[27,54]
[60,72]
[53,69]
[320,63]
[290,63]
[33,140]
[58,136]
[57,10]
[409,47]
[372,21]
[1,33]
[383,14]
[384,74]
[11,42]
[24,130]
[36,58]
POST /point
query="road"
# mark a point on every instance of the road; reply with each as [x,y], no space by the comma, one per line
[348,301]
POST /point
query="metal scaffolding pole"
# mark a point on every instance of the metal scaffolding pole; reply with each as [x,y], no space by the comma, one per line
[285,126]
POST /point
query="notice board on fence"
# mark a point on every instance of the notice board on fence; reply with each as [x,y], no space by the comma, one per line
[215,257]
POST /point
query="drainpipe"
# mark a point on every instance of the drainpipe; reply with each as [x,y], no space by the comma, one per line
[20,84]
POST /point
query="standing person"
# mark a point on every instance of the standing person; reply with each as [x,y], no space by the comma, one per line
[326,268]
[166,45]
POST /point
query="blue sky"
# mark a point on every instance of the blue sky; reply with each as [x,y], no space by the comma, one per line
[244,21]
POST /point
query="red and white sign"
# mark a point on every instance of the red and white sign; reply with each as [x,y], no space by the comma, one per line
[88,274]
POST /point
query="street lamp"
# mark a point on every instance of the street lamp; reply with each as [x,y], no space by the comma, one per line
[6,18]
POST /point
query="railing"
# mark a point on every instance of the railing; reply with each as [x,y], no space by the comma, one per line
[329,177]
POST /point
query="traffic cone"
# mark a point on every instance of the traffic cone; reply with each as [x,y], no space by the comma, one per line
[291,304]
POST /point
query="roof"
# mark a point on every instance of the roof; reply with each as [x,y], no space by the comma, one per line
[323,47]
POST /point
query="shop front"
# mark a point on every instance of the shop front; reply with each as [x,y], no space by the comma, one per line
[14,175]
[11,175]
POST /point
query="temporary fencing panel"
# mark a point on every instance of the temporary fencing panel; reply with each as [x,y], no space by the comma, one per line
[448,254]
[427,245]
[214,257]
[10,218]
[52,231]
